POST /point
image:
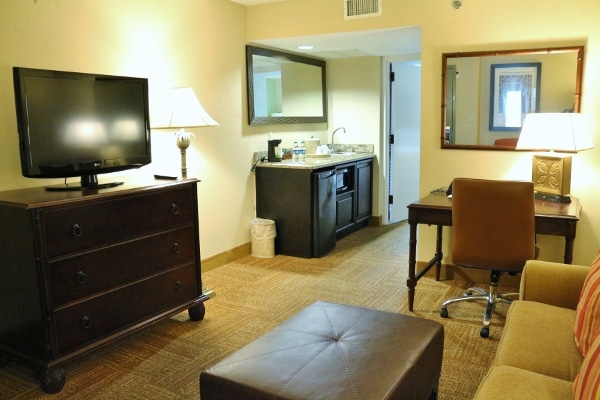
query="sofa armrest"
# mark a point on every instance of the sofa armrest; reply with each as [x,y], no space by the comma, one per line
[552,283]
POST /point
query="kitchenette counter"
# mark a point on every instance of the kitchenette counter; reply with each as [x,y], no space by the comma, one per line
[319,161]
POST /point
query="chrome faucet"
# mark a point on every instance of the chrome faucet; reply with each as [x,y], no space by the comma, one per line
[333,135]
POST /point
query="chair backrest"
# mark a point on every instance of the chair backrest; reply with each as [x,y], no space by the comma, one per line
[493,224]
[506,142]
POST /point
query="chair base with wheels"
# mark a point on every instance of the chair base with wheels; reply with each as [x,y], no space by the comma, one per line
[491,297]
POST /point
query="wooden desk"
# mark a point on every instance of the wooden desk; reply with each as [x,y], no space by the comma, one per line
[556,219]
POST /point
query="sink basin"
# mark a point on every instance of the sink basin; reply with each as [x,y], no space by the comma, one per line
[342,153]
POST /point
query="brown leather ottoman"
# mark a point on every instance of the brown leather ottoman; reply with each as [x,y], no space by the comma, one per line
[333,351]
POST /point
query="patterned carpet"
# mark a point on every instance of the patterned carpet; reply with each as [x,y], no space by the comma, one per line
[367,268]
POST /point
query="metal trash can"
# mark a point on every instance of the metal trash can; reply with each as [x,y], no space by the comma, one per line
[263,237]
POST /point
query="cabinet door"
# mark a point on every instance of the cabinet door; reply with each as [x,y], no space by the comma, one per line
[344,210]
[364,175]
[284,195]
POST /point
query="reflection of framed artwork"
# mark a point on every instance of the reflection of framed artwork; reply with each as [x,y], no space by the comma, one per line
[514,93]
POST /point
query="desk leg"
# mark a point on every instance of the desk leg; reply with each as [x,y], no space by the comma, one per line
[438,252]
[411,282]
[569,244]
[413,276]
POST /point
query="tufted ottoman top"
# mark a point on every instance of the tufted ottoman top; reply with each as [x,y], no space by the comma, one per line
[333,351]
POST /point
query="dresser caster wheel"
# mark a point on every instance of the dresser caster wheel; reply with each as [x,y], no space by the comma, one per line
[52,380]
[197,312]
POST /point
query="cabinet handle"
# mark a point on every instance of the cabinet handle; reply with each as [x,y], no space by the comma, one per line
[176,248]
[178,286]
[76,230]
[174,209]
[86,323]
[81,277]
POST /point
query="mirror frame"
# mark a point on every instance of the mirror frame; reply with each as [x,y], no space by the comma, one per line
[548,50]
[260,51]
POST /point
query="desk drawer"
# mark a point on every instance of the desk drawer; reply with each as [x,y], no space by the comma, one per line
[100,316]
[90,225]
[88,273]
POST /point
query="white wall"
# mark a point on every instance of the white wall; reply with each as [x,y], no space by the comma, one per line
[477,25]
[200,43]
[183,43]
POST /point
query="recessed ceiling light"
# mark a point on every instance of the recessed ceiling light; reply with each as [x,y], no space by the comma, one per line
[305,47]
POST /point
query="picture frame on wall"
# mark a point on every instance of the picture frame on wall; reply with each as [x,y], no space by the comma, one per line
[514,93]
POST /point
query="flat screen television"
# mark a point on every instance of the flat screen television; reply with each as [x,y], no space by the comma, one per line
[74,124]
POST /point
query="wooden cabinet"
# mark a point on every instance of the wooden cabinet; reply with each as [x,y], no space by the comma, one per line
[355,204]
[81,269]
[285,195]
[364,192]
[288,196]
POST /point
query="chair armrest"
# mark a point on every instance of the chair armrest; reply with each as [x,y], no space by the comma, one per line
[552,283]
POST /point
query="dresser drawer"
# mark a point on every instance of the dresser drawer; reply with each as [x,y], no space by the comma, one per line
[87,321]
[88,273]
[94,224]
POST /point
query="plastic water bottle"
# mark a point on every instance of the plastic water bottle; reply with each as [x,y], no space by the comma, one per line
[302,152]
[296,152]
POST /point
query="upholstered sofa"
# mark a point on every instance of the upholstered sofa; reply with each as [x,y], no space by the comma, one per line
[541,353]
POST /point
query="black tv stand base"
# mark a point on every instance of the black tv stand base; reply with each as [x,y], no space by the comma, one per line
[66,186]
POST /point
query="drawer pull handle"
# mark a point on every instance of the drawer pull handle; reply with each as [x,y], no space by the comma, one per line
[76,230]
[178,286]
[174,209]
[176,248]
[81,277]
[86,323]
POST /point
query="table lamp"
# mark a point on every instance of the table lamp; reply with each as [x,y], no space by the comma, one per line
[554,132]
[182,110]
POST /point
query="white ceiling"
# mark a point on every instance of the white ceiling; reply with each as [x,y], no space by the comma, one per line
[381,42]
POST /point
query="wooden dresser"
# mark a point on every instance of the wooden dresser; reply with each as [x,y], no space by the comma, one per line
[81,269]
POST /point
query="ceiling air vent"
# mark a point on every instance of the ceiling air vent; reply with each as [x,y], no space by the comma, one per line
[361,8]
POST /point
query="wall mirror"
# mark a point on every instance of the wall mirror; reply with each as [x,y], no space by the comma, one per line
[285,88]
[486,94]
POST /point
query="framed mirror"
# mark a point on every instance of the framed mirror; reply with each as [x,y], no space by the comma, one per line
[285,88]
[486,94]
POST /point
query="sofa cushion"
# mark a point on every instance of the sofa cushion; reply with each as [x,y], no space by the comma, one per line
[505,382]
[587,319]
[587,383]
[539,337]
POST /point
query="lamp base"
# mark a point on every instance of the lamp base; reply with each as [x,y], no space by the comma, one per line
[554,198]
[551,176]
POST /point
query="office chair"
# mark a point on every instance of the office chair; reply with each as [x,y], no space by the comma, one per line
[493,227]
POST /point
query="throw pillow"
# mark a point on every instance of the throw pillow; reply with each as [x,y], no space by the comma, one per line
[587,383]
[587,318]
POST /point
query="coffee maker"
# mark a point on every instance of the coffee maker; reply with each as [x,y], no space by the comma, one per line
[274,153]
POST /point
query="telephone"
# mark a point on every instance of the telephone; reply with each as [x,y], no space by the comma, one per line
[449,191]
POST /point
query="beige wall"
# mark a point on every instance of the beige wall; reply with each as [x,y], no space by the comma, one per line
[199,43]
[478,25]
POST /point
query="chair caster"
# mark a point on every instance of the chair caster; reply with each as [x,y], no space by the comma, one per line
[485,332]
[444,313]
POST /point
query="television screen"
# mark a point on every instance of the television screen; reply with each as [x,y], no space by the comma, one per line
[80,125]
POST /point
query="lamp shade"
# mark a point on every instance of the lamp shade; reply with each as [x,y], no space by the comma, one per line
[563,132]
[182,110]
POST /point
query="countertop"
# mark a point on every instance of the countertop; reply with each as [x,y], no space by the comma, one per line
[318,162]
